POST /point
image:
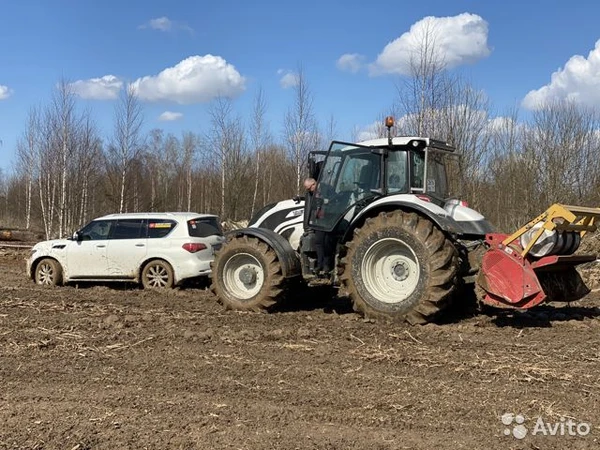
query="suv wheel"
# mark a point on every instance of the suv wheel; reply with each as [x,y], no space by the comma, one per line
[157,274]
[48,272]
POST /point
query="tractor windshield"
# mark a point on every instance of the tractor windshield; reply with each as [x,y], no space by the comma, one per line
[351,173]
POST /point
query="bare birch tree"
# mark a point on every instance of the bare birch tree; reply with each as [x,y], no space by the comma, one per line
[64,126]
[190,148]
[26,158]
[331,132]
[433,103]
[127,141]
[58,128]
[154,166]
[259,138]
[224,139]
[301,130]
[563,137]
[422,93]
[87,170]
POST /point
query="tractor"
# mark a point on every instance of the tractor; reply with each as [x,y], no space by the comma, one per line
[402,244]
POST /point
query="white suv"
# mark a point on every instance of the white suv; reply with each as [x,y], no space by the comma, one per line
[158,250]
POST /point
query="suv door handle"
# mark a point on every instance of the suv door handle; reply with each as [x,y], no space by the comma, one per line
[140,245]
[100,246]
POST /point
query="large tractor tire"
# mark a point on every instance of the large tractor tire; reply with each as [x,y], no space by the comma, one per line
[399,266]
[246,275]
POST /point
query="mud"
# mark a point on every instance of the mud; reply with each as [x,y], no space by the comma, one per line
[116,367]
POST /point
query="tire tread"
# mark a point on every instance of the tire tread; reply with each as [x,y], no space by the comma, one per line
[441,255]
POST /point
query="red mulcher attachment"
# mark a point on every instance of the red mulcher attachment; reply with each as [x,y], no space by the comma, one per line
[536,263]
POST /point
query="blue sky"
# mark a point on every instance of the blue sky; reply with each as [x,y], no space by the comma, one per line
[505,48]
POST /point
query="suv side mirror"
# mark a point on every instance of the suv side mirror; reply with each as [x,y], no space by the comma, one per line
[77,236]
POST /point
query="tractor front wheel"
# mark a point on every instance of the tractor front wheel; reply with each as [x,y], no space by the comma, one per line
[400,266]
[246,275]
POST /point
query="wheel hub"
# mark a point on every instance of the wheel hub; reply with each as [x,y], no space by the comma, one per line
[400,271]
[248,275]
[390,270]
[243,276]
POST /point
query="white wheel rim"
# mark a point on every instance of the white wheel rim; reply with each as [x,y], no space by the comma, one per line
[45,274]
[390,270]
[243,276]
[157,276]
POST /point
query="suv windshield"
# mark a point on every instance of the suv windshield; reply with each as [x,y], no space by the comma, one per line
[204,227]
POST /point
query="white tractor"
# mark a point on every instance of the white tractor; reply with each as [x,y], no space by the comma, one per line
[395,240]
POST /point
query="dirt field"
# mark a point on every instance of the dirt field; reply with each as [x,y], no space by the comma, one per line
[118,368]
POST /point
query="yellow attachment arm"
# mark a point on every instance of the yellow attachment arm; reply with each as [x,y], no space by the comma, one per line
[559,217]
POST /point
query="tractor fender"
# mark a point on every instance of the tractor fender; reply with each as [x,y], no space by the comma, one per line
[288,258]
[275,214]
[437,215]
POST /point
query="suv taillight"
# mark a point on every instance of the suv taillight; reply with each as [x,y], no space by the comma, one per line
[193,247]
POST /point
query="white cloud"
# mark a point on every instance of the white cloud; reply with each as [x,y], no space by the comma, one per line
[5,92]
[165,24]
[161,23]
[196,79]
[169,116]
[288,78]
[104,88]
[578,81]
[350,62]
[372,131]
[454,41]
[501,124]
[378,129]
[405,125]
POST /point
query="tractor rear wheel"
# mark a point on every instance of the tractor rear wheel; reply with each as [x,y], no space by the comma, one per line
[399,266]
[246,275]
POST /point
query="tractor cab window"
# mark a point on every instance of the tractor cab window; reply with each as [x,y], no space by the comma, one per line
[442,169]
[418,169]
[397,175]
[436,176]
[360,174]
[349,175]
[328,176]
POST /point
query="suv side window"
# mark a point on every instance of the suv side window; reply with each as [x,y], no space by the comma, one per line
[204,227]
[159,228]
[129,229]
[97,230]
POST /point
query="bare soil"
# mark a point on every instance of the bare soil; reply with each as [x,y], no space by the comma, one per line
[117,367]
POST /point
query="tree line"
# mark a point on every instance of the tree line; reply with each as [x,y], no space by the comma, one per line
[65,173]
[511,167]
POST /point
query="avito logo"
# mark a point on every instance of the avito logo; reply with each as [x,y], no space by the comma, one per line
[515,426]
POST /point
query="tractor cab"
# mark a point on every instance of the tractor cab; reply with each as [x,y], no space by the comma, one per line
[353,175]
